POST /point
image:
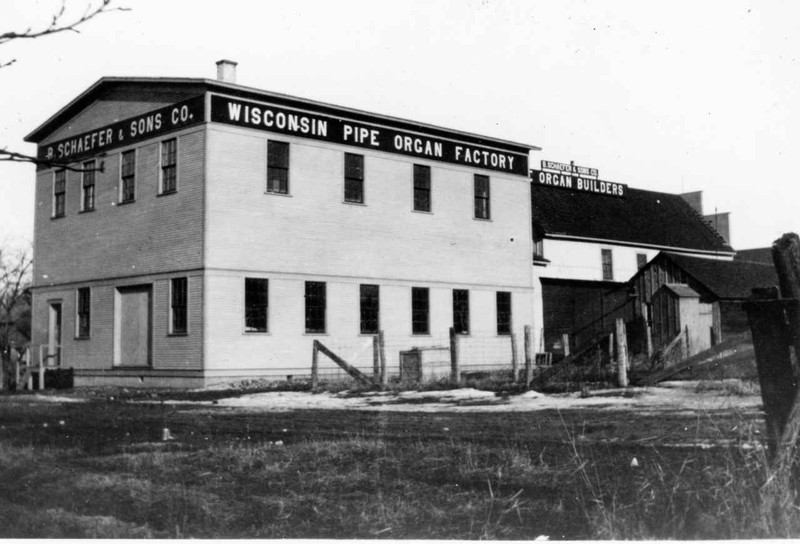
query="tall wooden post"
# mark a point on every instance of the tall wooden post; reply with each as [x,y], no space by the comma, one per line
[528,357]
[647,332]
[565,342]
[3,368]
[514,358]
[314,366]
[376,359]
[455,372]
[622,353]
[384,377]
[611,347]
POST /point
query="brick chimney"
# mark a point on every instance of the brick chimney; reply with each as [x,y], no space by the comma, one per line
[226,70]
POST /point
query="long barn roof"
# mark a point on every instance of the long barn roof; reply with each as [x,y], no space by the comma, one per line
[642,218]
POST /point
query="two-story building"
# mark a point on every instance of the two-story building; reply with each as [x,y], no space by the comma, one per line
[205,231]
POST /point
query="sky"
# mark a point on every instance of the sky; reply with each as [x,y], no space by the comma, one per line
[668,96]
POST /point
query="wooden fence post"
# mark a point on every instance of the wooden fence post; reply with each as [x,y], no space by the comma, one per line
[648,334]
[3,368]
[565,342]
[622,353]
[514,358]
[376,358]
[528,357]
[455,372]
[384,377]
[42,366]
[314,366]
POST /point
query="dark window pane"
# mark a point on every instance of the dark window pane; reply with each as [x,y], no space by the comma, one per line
[420,310]
[503,312]
[608,267]
[179,305]
[461,311]
[482,197]
[256,304]
[641,260]
[128,175]
[88,176]
[84,312]
[277,167]
[353,178]
[169,165]
[60,193]
[370,309]
[422,188]
[315,307]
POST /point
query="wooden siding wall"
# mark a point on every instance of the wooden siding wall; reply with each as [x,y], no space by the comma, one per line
[96,352]
[311,235]
[154,234]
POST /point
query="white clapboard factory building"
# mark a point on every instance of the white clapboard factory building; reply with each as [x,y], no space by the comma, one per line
[204,231]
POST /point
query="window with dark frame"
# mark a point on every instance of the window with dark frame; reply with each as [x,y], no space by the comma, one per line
[420,310]
[87,183]
[178,305]
[482,207]
[128,176]
[461,311]
[503,312]
[354,178]
[256,304]
[60,193]
[641,260]
[315,307]
[84,312]
[169,166]
[278,167]
[370,309]
[422,188]
[608,266]
[538,247]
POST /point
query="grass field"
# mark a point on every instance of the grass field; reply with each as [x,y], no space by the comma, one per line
[99,468]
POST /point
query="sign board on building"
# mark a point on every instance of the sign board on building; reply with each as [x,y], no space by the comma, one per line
[367,135]
[578,183]
[134,129]
[570,168]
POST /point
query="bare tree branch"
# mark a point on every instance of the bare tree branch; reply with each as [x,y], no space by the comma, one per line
[13,156]
[58,25]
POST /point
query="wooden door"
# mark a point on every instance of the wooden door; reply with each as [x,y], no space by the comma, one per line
[134,326]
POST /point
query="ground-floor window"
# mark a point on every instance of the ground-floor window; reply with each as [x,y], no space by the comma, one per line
[256,304]
[370,309]
[503,312]
[420,310]
[83,312]
[178,300]
[315,306]
[461,311]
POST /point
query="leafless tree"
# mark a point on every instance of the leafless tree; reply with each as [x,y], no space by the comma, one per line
[15,280]
[58,23]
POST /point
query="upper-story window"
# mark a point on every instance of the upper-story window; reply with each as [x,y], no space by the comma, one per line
[538,247]
[87,186]
[641,260]
[482,204]
[169,166]
[354,178]
[128,176]
[278,167]
[422,188]
[59,193]
[608,264]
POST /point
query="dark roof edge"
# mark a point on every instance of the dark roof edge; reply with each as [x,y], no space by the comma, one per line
[728,252]
[220,86]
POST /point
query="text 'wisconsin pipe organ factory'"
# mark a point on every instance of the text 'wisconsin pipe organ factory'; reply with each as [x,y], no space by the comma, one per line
[368,135]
